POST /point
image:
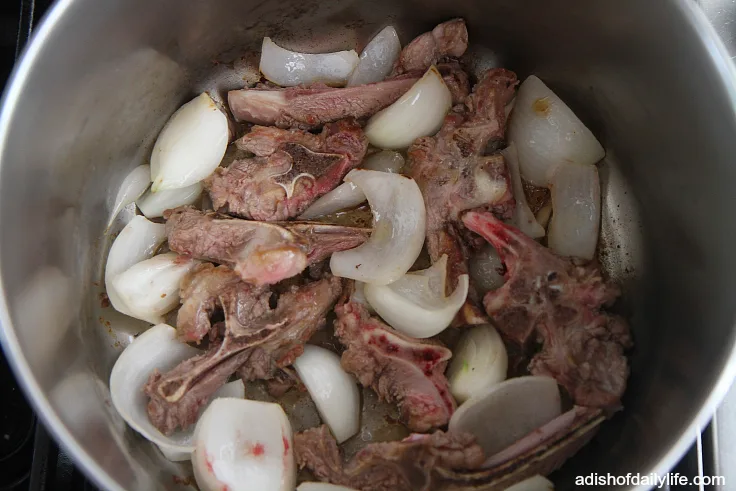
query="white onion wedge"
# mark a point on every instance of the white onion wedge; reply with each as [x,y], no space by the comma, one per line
[150,288]
[322,486]
[157,348]
[419,112]
[484,267]
[377,59]
[534,483]
[358,296]
[333,390]
[398,233]
[384,161]
[544,214]
[136,242]
[508,411]
[479,361]
[523,218]
[191,145]
[243,445]
[547,133]
[288,68]
[347,194]
[133,186]
[576,211]
[416,304]
[153,205]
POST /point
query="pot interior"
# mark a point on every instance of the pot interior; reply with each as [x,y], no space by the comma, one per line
[101,79]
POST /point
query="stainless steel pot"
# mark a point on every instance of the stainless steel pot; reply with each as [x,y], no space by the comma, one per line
[100,79]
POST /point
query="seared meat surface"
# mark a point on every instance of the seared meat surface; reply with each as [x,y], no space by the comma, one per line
[408,465]
[312,106]
[454,176]
[557,302]
[404,370]
[291,170]
[259,252]
[208,288]
[256,343]
[449,39]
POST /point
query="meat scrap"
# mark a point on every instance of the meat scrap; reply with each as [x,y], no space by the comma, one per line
[259,252]
[449,39]
[454,176]
[408,465]
[291,170]
[312,106]
[256,344]
[208,288]
[555,301]
[407,371]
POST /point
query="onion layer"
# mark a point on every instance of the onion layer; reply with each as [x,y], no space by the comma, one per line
[547,133]
[419,112]
[289,68]
[508,411]
[244,445]
[347,194]
[191,145]
[377,59]
[156,349]
[133,186]
[136,242]
[399,220]
[154,205]
[523,217]
[333,390]
[484,267]
[576,211]
[150,288]
[478,362]
[415,304]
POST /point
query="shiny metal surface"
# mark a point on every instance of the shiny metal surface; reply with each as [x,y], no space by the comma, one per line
[722,15]
[100,79]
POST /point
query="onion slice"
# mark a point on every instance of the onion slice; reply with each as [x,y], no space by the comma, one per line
[416,304]
[486,268]
[322,486]
[523,218]
[133,186]
[508,411]
[547,133]
[576,211]
[419,112]
[191,145]
[479,361]
[136,242]
[534,483]
[243,445]
[377,59]
[156,349]
[153,205]
[347,194]
[289,68]
[399,221]
[150,288]
[332,389]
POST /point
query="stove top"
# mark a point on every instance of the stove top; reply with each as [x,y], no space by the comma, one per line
[31,460]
